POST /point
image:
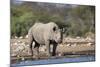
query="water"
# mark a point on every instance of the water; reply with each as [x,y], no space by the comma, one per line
[55,61]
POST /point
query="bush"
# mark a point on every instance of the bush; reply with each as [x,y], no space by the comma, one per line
[76,21]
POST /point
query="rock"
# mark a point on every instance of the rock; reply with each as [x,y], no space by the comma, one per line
[15,43]
[74,45]
[23,43]
[59,54]
[68,45]
[20,47]
[88,38]
[18,41]
[16,37]
[61,45]
[42,49]
[21,37]
[18,56]
[77,37]
[23,58]
[26,36]
[89,44]
[13,54]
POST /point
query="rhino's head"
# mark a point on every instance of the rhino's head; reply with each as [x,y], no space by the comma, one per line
[57,35]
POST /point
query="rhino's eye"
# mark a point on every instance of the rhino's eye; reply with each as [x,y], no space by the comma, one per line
[54,28]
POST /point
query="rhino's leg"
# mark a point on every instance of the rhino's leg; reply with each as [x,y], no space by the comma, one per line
[30,40]
[36,50]
[54,49]
[47,43]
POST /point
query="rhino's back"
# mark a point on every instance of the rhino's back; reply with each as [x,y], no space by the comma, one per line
[41,32]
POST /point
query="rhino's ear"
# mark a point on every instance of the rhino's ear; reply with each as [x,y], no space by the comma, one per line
[54,28]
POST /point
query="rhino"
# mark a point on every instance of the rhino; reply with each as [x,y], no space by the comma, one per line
[44,34]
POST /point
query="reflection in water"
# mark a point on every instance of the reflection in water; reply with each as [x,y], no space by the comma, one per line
[55,61]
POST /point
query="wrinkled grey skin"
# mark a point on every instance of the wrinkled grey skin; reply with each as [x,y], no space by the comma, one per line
[44,34]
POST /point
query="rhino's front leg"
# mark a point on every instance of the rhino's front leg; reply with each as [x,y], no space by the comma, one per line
[54,49]
[47,43]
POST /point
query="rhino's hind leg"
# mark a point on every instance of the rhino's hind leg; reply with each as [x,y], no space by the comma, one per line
[36,51]
[30,40]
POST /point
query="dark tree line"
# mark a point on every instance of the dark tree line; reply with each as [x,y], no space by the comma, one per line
[77,20]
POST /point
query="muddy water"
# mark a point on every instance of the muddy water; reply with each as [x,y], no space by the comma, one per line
[74,59]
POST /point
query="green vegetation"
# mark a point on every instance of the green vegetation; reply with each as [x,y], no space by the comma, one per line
[77,21]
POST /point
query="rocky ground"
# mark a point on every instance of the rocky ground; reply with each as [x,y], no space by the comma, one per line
[20,48]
